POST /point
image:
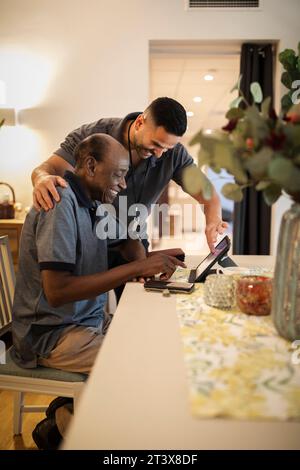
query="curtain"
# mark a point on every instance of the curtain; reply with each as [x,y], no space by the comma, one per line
[252,216]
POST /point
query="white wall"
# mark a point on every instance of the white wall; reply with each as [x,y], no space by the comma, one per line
[72,61]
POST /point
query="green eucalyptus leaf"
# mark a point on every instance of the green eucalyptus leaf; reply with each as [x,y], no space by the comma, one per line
[286,103]
[232,191]
[287,80]
[298,64]
[208,189]
[288,59]
[243,128]
[271,194]
[258,164]
[196,182]
[192,180]
[208,144]
[284,173]
[238,140]
[235,113]
[235,103]
[196,138]
[262,185]
[265,107]
[259,126]
[295,74]
[292,134]
[256,92]
[225,157]
[204,157]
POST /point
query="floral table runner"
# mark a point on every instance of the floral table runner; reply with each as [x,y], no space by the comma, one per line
[237,365]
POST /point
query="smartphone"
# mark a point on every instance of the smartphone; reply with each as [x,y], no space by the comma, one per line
[171,286]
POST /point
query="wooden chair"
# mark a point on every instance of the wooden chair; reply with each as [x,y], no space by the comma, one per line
[12,377]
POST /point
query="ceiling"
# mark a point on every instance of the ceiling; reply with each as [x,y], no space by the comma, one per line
[180,75]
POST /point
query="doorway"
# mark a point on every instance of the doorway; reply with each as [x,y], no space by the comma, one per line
[200,75]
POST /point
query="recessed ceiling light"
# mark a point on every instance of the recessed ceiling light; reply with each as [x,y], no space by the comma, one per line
[189,113]
[208,77]
[197,99]
[208,131]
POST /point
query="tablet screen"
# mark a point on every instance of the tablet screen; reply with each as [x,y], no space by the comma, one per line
[221,248]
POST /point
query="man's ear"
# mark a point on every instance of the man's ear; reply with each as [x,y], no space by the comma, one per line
[91,165]
[140,121]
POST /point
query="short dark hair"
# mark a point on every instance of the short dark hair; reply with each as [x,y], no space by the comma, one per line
[169,114]
[96,145]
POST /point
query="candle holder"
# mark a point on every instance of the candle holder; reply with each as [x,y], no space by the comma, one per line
[254,294]
[219,291]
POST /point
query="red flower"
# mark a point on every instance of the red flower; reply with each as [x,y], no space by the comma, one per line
[293,117]
[231,125]
[250,143]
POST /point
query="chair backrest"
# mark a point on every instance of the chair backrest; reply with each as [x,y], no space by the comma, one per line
[7,285]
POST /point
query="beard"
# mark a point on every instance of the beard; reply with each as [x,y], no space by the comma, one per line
[143,152]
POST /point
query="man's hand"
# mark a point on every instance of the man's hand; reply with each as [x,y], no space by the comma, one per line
[214,223]
[213,229]
[159,263]
[44,190]
[169,252]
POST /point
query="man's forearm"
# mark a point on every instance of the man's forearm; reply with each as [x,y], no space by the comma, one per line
[44,169]
[65,288]
[54,166]
[212,206]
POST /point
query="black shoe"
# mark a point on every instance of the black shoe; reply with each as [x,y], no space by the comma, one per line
[57,403]
[46,434]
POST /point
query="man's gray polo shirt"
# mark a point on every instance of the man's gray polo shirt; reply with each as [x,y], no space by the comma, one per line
[61,239]
[151,176]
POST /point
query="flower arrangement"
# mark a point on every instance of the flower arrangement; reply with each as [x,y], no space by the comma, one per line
[257,147]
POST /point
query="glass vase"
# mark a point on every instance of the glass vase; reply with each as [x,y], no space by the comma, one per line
[286,287]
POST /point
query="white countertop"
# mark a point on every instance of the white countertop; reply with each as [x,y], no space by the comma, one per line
[137,394]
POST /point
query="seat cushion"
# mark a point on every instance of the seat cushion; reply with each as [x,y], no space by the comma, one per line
[47,373]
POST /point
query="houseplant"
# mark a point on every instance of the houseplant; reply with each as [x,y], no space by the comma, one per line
[262,149]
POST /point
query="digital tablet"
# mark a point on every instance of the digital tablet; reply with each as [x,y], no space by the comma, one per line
[199,274]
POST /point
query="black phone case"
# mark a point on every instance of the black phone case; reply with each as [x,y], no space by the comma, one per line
[160,286]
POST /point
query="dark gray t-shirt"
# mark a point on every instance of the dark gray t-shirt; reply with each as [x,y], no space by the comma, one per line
[151,176]
[61,239]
